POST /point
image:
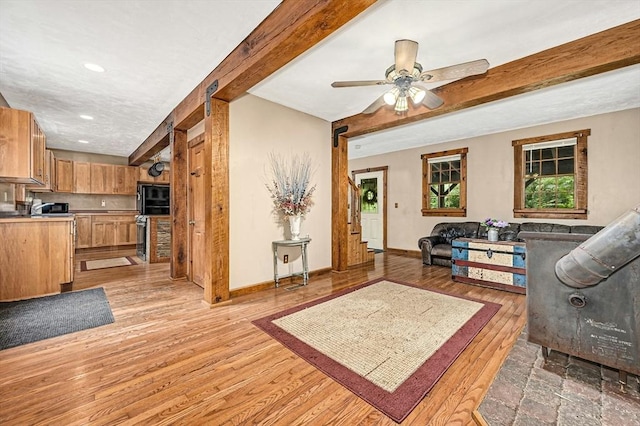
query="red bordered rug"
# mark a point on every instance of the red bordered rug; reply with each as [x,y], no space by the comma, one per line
[388,342]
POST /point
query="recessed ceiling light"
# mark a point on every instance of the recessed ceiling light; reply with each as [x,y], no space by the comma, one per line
[94,67]
[82,141]
[86,117]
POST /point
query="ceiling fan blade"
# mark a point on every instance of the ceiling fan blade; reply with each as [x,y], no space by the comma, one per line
[406,52]
[358,83]
[455,72]
[431,100]
[376,105]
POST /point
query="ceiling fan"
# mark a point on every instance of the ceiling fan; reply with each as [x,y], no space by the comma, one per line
[406,75]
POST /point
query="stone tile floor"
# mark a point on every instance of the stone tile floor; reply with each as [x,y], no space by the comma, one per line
[564,391]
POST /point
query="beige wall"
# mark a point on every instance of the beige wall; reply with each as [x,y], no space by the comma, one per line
[258,127]
[614,176]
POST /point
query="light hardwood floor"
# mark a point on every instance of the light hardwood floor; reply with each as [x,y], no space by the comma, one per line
[169,359]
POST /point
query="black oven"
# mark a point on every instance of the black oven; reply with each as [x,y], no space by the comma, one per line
[153,199]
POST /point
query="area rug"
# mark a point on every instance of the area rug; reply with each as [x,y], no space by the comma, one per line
[90,265]
[31,320]
[388,342]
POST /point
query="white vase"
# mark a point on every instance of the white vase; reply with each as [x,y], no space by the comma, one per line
[492,235]
[294,226]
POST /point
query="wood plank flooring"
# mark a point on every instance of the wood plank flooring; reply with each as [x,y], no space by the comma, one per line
[170,359]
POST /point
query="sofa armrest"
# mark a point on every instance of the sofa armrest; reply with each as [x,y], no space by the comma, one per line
[426,244]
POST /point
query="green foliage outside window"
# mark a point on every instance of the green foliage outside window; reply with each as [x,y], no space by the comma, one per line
[445,196]
[445,185]
[550,182]
[555,192]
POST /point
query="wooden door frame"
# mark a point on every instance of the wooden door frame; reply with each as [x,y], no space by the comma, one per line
[384,170]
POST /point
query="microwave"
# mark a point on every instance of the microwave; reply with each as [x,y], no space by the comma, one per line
[56,208]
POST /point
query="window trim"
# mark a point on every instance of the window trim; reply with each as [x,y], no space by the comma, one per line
[580,174]
[426,182]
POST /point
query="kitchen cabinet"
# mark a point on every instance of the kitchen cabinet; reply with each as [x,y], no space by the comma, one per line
[83,231]
[37,257]
[113,230]
[64,175]
[22,151]
[102,178]
[81,177]
[125,180]
[49,174]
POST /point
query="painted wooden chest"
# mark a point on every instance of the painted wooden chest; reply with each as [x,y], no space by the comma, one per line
[498,265]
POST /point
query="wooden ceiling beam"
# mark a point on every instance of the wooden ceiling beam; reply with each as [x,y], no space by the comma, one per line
[608,50]
[291,29]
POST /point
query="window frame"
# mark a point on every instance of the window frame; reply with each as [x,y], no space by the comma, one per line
[426,184]
[579,171]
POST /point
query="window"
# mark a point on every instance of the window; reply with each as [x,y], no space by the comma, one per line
[444,183]
[551,176]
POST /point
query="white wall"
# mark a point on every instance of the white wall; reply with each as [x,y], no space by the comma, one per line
[256,128]
[613,179]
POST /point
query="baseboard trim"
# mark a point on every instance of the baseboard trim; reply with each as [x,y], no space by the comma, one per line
[406,253]
[266,285]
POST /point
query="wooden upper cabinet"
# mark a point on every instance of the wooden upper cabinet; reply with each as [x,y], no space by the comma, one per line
[63,175]
[22,147]
[102,178]
[81,177]
[146,178]
[125,180]
[49,174]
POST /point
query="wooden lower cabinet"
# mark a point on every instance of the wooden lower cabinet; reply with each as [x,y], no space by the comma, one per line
[109,230]
[83,231]
[37,257]
[103,234]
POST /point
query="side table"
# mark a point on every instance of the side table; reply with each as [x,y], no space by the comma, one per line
[302,243]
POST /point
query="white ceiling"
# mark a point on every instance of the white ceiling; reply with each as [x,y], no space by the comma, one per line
[156,52]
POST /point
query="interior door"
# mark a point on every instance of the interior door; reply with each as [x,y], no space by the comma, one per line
[372,208]
[196,214]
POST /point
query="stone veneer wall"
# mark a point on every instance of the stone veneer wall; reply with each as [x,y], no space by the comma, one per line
[163,247]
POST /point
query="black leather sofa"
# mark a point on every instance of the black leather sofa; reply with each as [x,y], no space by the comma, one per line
[436,248]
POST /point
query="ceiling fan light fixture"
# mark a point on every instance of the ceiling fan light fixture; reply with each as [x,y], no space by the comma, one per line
[417,95]
[401,104]
[391,96]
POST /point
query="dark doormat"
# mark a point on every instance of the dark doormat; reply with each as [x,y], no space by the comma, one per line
[31,320]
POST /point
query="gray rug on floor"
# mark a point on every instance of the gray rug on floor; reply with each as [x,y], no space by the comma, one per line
[30,320]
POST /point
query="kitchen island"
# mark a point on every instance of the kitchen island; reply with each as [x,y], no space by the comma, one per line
[37,256]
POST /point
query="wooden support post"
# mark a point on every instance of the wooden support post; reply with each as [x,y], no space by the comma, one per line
[216,152]
[179,228]
[339,194]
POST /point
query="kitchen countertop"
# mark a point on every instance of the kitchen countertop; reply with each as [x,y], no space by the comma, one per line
[40,218]
[104,212]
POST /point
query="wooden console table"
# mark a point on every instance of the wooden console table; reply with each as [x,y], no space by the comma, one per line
[302,243]
[498,264]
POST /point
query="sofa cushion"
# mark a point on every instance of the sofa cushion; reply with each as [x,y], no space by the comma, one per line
[451,231]
[586,229]
[441,250]
[509,233]
[544,227]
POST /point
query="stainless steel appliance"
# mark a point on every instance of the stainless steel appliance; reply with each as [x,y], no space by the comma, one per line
[153,199]
[55,208]
[141,237]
